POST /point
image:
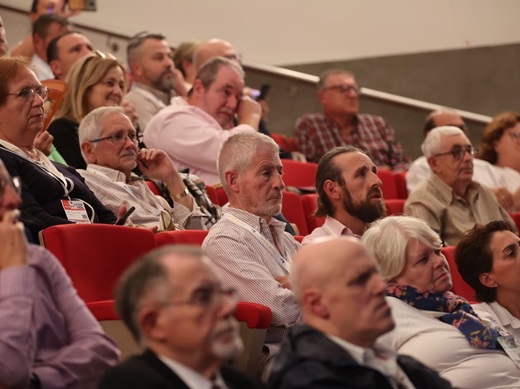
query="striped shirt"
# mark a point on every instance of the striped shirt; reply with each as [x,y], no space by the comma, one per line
[316,134]
[247,264]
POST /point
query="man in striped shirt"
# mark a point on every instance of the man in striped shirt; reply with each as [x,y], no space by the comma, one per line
[340,124]
[249,247]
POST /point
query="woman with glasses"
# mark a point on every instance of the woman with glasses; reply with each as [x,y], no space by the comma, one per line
[51,193]
[432,324]
[97,80]
[500,147]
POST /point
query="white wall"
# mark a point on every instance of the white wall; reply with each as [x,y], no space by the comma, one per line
[304,31]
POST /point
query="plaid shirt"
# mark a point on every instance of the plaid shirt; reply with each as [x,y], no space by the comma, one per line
[315,135]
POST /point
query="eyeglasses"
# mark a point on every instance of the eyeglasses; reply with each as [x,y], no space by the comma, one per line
[514,135]
[102,55]
[344,88]
[15,183]
[119,138]
[459,152]
[27,93]
[208,297]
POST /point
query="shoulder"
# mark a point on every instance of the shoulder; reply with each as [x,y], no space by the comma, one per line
[421,375]
[236,379]
[309,118]
[63,123]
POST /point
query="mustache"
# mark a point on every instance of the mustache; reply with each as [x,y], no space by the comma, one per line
[375,191]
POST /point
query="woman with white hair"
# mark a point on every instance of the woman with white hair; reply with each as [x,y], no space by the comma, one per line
[434,325]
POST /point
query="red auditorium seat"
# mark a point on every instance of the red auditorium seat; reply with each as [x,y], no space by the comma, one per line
[195,237]
[460,286]
[95,255]
[153,187]
[280,140]
[310,204]
[400,183]
[292,210]
[388,186]
[516,218]
[394,206]
[299,174]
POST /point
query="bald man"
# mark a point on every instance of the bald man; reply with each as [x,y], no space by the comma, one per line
[214,48]
[342,299]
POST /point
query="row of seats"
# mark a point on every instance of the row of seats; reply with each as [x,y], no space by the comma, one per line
[95,256]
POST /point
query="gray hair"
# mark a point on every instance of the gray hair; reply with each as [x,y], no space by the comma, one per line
[146,283]
[331,72]
[208,72]
[387,240]
[432,143]
[90,126]
[238,151]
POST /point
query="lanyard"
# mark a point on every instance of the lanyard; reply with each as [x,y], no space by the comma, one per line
[262,240]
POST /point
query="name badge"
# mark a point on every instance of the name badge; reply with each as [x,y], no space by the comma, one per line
[509,345]
[75,211]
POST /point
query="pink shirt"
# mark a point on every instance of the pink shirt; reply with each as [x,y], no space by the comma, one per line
[331,227]
[191,137]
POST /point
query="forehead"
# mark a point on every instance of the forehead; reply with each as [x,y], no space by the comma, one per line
[340,79]
[72,40]
[114,122]
[25,76]
[228,76]
[501,239]
[188,272]
[350,162]
[265,157]
[447,118]
[151,46]
[355,259]
[450,141]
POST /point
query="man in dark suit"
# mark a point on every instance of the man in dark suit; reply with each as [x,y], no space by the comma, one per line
[342,298]
[175,306]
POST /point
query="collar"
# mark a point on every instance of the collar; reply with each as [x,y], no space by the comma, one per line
[332,123]
[356,352]
[160,95]
[193,379]
[335,227]
[446,193]
[112,174]
[504,316]
[253,220]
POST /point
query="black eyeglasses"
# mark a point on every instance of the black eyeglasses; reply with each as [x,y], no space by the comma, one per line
[118,138]
[27,93]
[459,152]
[15,183]
[344,88]
[207,297]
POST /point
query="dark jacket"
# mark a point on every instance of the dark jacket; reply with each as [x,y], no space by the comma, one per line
[42,194]
[66,141]
[146,371]
[309,359]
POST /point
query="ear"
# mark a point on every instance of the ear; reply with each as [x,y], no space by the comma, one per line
[432,161]
[147,321]
[313,302]
[37,42]
[89,151]
[198,88]
[232,181]
[332,189]
[488,280]
[55,66]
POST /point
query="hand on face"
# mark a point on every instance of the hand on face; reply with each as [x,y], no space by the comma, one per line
[504,197]
[249,112]
[43,142]
[13,244]
[156,164]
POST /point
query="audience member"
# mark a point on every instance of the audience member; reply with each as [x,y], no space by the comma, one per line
[175,306]
[96,80]
[154,76]
[48,338]
[4,46]
[52,193]
[342,298]
[25,48]
[183,60]
[109,145]
[192,133]
[340,124]
[500,147]
[488,258]
[483,171]
[449,201]
[434,325]
[46,28]
[64,50]
[250,249]
[349,193]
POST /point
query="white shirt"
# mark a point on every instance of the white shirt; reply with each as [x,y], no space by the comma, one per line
[500,316]
[41,68]
[445,349]
[191,378]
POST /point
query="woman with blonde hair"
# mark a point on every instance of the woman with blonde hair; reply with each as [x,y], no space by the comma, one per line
[433,325]
[94,81]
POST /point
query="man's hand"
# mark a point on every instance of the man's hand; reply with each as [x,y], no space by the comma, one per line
[504,197]
[13,244]
[43,142]
[179,87]
[249,112]
[284,281]
[156,164]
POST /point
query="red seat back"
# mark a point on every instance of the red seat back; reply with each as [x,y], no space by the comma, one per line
[299,174]
[394,206]
[400,183]
[95,255]
[280,140]
[194,237]
[310,204]
[460,286]
[292,210]
[388,186]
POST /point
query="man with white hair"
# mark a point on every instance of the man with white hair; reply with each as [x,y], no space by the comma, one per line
[342,297]
[250,249]
[449,201]
[175,306]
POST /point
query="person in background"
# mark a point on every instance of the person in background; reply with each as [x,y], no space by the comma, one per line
[64,50]
[183,60]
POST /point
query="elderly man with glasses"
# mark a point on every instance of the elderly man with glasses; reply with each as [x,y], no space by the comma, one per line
[340,124]
[449,201]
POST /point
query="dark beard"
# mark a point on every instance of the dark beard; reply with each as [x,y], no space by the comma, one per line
[366,211]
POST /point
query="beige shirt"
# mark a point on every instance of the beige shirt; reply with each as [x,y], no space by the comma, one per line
[450,215]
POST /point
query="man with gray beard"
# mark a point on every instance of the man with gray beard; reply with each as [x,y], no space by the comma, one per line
[349,193]
[175,306]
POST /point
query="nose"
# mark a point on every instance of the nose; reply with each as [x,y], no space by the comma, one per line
[117,90]
[376,180]
[227,306]
[37,100]
[232,102]
[439,261]
[279,184]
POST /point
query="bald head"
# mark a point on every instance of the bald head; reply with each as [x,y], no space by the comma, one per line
[340,291]
[444,117]
[214,48]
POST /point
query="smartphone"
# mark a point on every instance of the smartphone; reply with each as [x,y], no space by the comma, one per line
[82,5]
[264,90]
[122,221]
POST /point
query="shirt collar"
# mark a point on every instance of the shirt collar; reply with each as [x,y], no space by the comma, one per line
[253,220]
[337,228]
[504,316]
[191,378]
[448,195]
